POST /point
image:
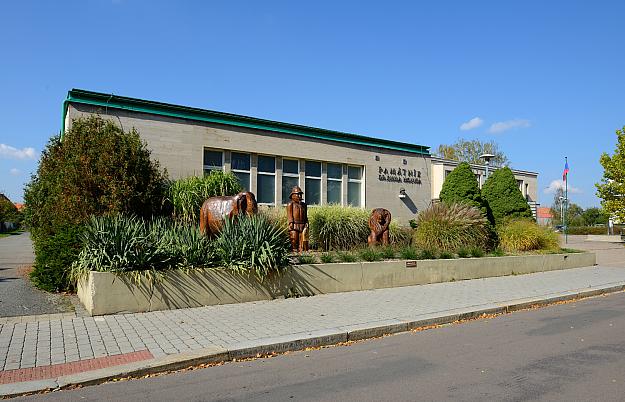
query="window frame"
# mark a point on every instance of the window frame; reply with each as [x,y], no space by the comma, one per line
[359,181]
[296,175]
[249,172]
[260,173]
[206,169]
[333,179]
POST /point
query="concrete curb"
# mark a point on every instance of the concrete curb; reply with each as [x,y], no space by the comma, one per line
[295,342]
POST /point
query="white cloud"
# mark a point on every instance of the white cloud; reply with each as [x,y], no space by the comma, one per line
[9,152]
[15,172]
[502,126]
[556,184]
[471,124]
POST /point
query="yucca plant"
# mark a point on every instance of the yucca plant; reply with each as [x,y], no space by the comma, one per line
[187,195]
[448,227]
[118,244]
[526,235]
[252,245]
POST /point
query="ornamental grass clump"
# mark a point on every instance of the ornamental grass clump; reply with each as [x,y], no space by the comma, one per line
[187,195]
[334,227]
[525,235]
[251,244]
[448,227]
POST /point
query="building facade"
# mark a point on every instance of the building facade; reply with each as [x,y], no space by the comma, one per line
[270,157]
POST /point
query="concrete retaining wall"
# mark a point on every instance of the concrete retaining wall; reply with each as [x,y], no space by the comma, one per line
[105,293]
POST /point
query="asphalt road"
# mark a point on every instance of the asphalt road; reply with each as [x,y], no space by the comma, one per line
[17,294]
[568,352]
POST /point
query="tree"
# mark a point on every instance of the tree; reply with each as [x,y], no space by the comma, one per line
[611,190]
[96,169]
[8,212]
[503,196]
[594,216]
[470,151]
[461,186]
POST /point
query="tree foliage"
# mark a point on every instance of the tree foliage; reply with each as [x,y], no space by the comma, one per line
[611,189]
[461,186]
[8,212]
[96,169]
[503,196]
[470,151]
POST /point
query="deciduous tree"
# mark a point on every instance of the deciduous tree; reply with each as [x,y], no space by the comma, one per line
[611,189]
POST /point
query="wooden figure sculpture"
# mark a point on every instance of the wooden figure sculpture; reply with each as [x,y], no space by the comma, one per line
[379,223]
[297,217]
[216,209]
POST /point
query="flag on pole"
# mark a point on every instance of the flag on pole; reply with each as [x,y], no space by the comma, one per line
[566,171]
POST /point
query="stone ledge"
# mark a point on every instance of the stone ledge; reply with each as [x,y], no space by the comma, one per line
[106,293]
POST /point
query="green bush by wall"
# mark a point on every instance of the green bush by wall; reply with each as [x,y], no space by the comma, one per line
[461,186]
[96,169]
[503,196]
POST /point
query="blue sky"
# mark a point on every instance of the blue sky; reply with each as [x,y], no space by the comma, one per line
[544,79]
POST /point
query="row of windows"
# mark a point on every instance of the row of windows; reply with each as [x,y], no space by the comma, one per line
[240,165]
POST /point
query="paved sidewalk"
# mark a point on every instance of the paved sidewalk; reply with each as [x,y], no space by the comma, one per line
[48,349]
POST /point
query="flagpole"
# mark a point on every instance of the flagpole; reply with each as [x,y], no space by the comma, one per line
[566,201]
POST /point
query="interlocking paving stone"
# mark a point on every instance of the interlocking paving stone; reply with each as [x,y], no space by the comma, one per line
[61,339]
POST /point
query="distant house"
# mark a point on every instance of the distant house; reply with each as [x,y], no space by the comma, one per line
[544,216]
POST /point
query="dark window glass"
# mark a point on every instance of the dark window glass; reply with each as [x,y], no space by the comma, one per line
[290,166]
[212,159]
[287,184]
[335,171]
[240,161]
[313,192]
[354,172]
[313,169]
[266,164]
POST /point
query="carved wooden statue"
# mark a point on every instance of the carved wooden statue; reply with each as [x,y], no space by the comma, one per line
[216,209]
[297,216]
[379,223]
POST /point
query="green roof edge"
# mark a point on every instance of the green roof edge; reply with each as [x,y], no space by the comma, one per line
[165,109]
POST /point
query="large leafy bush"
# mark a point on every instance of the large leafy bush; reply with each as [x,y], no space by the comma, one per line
[503,196]
[54,254]
[449,227]
[186,196]
[526,235]
[8,212]
[97,168]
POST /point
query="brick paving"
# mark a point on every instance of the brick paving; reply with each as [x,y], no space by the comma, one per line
[49,340]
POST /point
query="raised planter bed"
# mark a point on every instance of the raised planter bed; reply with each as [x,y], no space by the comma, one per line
[106,293]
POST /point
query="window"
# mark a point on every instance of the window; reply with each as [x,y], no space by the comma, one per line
[478,177]
[313,183]
[520,183]
[266,179]
[213,160]
[354,181]
[290,177]
[526,193]
[447,173]
[335,184]
[241,168]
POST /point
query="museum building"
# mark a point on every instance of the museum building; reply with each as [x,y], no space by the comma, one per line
[271,157]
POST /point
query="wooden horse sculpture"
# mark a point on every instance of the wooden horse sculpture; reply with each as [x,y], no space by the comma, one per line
[217,209]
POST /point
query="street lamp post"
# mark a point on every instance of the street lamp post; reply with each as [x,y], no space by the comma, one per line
[487,158]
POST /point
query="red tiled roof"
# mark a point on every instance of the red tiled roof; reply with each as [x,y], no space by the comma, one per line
[19,206]
[544,212]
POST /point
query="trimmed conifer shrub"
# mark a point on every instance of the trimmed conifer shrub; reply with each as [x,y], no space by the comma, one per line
[503,196]
[461,186]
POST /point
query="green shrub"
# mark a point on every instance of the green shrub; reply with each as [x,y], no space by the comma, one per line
[447,227]
[476,252]
[327,258]
[53,255]
[8,213]
[333,227]
[503,196]
[370,254]
[388,252]
[399,235]
[587,230]
[186,196]
[460,186]
[96,169]
[463,252]
[526,235]
[498,252]
[346,256]
[253,244]
[445,255]
[427,254]
[408,253]
[306,259]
